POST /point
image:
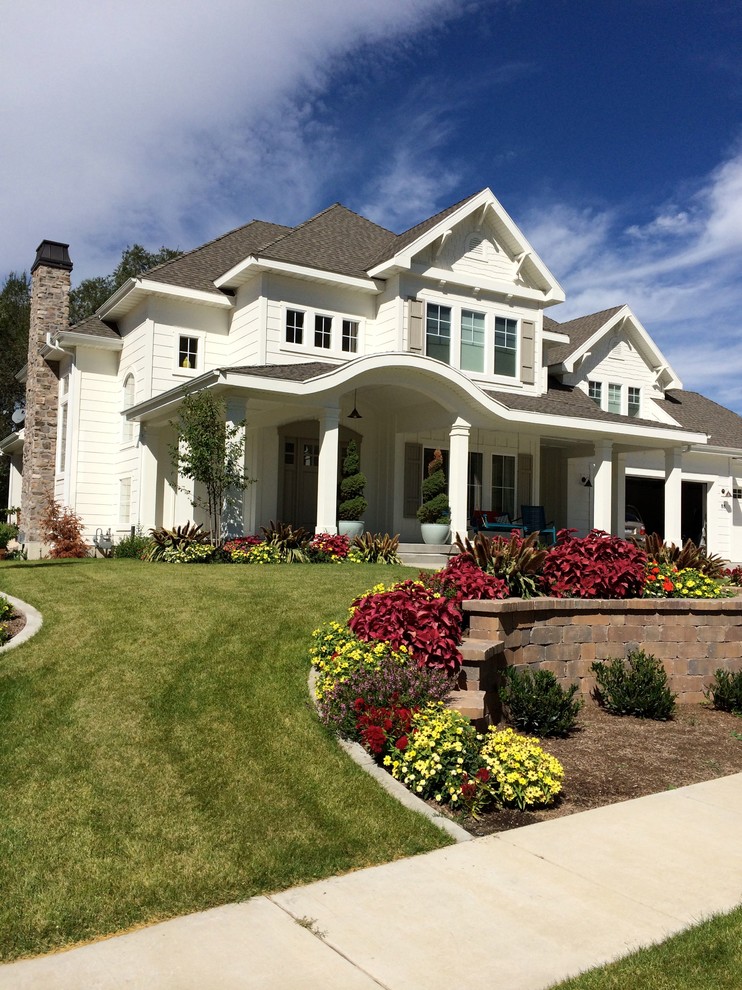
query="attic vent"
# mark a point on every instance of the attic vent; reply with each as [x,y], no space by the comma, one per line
[475,245]
[617,347]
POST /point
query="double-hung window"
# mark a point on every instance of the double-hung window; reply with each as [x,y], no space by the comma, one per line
[438,332]
[503,484]
[614,398]
[595,391]
[350,336]
[294,326]
[187,352]
[635,400]
[506,346]
[323,331]
[472,341]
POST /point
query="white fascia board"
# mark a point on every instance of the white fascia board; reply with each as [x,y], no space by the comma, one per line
[486,198]
[496,286]
[554,337]
[134,289]
[255,264]
[164,400]
[11,443]
[72,339]
[348,374]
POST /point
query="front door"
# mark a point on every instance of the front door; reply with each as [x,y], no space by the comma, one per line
[300,467]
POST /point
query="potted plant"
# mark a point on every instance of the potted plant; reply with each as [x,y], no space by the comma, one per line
[434,514]
[352,504]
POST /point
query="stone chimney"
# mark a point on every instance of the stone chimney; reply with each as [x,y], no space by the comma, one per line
[50,308]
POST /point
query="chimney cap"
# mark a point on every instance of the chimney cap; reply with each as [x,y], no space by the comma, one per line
[52,254]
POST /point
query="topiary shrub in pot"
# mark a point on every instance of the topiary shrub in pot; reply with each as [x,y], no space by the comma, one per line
[352,504]
[434,513]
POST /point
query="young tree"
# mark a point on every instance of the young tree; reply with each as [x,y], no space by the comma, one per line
[211,453]
[15,302]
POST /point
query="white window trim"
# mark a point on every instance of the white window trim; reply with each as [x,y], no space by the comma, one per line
[128,441]
[490,313]
[200,337]
[63,405]
[336,332]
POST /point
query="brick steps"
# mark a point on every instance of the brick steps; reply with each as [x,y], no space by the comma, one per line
[476,697]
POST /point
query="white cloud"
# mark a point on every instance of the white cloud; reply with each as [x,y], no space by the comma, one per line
[137,121]
[679,272]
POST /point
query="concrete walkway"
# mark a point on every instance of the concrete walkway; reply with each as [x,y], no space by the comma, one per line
[518,911]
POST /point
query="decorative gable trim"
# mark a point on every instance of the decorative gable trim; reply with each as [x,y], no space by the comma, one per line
[666,376]
[549,289]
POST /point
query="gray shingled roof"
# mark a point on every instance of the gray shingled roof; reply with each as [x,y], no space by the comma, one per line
[563,400]
[94,327]
[198,268]
[580,330]
[335,240]
[288,372]
[403,240]
[695,412]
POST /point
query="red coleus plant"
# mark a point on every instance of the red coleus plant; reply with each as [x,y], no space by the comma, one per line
[426,623]
[382,728]
[462,580]
[594,566]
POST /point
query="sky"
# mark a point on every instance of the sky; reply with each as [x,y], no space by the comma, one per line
[610,130]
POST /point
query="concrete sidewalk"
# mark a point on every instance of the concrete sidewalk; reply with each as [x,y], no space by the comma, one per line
[519,910]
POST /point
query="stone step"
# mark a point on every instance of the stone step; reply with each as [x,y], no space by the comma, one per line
[428,555]
[471,704]
[479,650]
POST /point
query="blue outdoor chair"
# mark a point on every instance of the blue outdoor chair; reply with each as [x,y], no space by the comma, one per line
[533,518]
[492,522]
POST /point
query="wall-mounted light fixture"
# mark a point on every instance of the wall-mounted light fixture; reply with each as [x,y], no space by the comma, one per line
[585,482]
[355,414]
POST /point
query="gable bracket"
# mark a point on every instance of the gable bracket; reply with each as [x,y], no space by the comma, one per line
[444,238]
[480,219]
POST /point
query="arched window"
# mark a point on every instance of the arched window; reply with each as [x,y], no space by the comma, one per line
[129,389]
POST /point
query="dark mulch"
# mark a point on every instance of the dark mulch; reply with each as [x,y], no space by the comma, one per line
[609,759]
[15,624]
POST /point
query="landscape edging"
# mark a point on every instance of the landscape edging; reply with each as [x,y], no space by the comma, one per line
[34,622]
[397,790]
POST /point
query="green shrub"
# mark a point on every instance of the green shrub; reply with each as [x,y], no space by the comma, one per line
[7,532]
[435,507]
[725,691]
[635,686]
[6,609]
[535,702]
[352,504]
[132,547]
[373,548]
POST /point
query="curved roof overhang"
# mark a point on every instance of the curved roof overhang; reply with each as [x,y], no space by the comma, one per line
[434,380]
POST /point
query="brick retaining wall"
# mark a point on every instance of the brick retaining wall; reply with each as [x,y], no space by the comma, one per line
[692,639]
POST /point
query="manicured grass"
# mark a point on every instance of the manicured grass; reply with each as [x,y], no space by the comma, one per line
[159,753]
[707,957]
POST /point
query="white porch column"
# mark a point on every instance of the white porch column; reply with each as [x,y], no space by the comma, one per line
[233,510]
[146,515]
[673,495]
[619,495]
[327,474]
[602,485]
[458,474]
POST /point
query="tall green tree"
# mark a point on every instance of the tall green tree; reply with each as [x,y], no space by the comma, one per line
[91,293]
[15,305]
[211,452]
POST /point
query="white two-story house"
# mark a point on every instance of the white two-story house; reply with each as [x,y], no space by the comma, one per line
[441,336]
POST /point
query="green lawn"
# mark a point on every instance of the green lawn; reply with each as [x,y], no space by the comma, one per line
[706,957]
[158,751]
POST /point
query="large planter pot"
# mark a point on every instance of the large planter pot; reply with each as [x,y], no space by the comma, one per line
[435,533]
[351,527]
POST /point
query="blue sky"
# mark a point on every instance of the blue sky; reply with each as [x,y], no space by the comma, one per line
[610,131]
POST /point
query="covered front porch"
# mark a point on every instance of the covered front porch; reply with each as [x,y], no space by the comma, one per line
[399,409]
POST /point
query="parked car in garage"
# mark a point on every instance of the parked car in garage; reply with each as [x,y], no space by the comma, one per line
[634,524]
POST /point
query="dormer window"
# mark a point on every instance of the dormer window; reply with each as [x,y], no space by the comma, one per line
[614,398]
[322,331]
[506,346]
[294,326]
[635,401]
[350,336]
[188,353]
[438,332]
[595,391]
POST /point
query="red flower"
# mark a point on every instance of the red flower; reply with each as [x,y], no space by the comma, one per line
[401,743]
[358,705]
[483,775]
[668,585]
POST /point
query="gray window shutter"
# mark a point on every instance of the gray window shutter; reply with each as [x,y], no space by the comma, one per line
[525,478]
[415,325]
[527,352]
[413,472]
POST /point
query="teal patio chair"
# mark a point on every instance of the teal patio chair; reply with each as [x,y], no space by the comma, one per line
[533,518]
